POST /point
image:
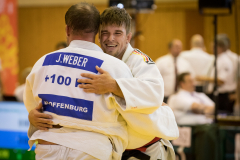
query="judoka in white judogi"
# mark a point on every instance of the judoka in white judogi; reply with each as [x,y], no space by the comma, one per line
[88,120]
[142,128]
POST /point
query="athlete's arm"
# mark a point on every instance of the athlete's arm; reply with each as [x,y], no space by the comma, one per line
[143,93]
[100,84]
[40,120]
[35,116]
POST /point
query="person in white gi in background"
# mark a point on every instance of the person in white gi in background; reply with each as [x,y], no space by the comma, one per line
[190,107]
[170,66]
[199,60]
[85,125]
[160,123]
[142,91]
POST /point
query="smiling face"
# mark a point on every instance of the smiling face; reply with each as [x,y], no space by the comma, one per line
[114,39]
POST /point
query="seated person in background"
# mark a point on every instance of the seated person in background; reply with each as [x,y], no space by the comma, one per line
[18,93]
[171,65]
[190,107]
[61,45]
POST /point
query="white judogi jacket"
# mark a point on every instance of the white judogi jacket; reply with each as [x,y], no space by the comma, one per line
[53,81]
[144,91]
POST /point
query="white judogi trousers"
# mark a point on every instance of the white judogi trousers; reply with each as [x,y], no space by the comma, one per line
[58,152]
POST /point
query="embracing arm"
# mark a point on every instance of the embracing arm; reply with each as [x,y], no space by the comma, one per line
[161,123]
[40,120]
[144,93]
[37,119]
[100,84]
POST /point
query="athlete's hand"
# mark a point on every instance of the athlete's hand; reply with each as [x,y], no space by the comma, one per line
[40,120]
[99,84]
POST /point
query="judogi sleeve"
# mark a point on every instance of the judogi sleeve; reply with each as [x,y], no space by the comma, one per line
[144,93]
[28,98]
[161,123]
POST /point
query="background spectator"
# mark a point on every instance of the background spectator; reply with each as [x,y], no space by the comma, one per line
[190,107]
[225,73]
[199,60]
[170,66]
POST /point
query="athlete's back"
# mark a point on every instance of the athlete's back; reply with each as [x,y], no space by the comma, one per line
[53,81]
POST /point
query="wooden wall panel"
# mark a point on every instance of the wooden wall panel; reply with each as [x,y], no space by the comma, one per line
[226,24]
[25,3]
[40,28]
[194,25]
[166,23]
[158,30]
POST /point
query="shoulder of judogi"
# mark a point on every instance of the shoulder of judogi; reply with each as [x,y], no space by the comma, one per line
[141,64]
[141,57]
[39,63]
[41,60]
[38,66]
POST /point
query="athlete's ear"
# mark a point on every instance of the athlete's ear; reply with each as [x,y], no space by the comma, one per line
[129,37]
[67,29]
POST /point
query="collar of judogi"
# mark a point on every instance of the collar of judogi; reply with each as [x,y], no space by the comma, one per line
[85,45]
[127,53]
